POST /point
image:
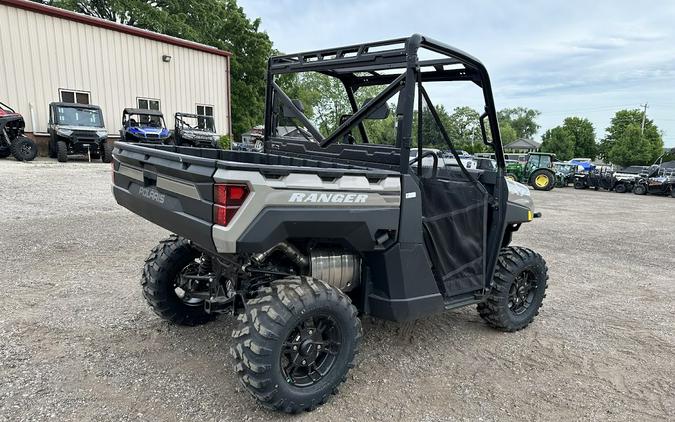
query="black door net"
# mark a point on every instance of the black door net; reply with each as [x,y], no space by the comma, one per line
[454,214]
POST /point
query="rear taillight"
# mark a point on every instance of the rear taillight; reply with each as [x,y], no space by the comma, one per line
[227,199]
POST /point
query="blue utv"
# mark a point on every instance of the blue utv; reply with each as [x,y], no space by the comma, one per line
[147,126]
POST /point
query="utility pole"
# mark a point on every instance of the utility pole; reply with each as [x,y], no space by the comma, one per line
[644,116]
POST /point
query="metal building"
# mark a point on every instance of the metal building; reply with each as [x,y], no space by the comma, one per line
[51,54]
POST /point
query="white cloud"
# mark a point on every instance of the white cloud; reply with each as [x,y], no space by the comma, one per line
[589,57]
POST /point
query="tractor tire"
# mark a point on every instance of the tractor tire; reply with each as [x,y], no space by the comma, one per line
[61,151]
[24,149]
[542,180]
[278,344]
[106,152]
[159,281]
[518,290]
[5,151]
[620,188]
[640,190]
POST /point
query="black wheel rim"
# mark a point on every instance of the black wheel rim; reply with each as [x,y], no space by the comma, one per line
[310,350]
[184,285]
[521,293]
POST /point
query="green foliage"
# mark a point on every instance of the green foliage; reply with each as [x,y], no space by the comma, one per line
[507,132]
[559,141]
[632,148]
[522,120]
[225,142]
[626,144]
[584,136]
[575,138]
[219,23]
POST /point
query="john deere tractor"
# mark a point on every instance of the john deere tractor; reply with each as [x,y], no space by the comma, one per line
[537,172]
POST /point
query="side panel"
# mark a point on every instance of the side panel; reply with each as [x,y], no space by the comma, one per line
[352,207]
[402,285]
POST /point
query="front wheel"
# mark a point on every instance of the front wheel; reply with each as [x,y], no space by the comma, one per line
[542,180]
[640,190]
[620,188]
[106,152]
[518,290]
[295,343]
[61,151]
[24,149]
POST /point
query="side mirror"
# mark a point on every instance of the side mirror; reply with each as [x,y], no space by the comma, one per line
[380,113]
[483,130]
[289,112]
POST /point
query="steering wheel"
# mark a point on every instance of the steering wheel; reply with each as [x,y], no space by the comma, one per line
[426,154]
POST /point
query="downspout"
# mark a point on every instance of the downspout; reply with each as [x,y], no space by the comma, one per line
[229,101]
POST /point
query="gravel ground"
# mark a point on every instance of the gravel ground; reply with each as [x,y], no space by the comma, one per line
[79,343]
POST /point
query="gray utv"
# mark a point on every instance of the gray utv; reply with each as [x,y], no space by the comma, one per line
[78,129]
[316,231]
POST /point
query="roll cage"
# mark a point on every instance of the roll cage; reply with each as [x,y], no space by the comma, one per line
[394,64]
[204,122]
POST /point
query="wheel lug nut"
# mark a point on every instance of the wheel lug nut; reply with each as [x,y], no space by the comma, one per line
[304,362]
[310,332]
[295,347]
[318,347]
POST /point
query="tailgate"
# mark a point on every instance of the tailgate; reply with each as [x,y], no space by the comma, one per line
[174,191]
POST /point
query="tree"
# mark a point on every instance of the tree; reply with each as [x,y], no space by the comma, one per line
[522,120]
[575,138]
[219,23]
[583,133]
[507,132]
[559,141]
[632,148]
[623,145]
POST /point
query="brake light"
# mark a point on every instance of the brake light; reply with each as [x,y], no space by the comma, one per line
[227,201]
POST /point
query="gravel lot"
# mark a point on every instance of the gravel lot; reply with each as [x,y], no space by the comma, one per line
[79,343]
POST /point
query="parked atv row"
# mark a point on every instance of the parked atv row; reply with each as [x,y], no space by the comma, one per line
[12,139]
[79,129]
[653,180]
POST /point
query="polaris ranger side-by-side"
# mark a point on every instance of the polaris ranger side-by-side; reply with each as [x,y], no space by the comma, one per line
[77,129]
[303,238]
[195,130]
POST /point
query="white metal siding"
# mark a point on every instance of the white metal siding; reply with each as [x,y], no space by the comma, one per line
[50,53]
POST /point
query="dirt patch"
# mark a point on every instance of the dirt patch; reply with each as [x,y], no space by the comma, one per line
[79,343]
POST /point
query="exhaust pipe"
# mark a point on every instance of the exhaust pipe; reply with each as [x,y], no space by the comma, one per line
[291,251]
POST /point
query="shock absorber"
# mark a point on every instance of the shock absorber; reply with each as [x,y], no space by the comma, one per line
[205,265]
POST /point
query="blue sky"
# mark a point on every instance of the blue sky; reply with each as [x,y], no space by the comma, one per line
[584,58]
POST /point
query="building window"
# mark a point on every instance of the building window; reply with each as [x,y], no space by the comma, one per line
[72,96]
[148,103]
[205,110]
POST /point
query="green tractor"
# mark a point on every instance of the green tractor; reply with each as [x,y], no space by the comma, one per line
[537,172]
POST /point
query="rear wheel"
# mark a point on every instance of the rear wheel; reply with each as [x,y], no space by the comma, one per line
[295,343]
[640,189]
[518,289]
[5,151]
[61,151]
[24,149]
[165,286]
[542,180]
